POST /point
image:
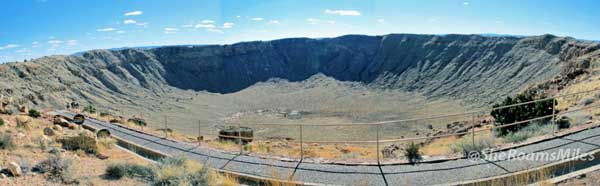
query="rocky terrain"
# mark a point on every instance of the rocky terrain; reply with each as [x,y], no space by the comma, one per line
[348,78]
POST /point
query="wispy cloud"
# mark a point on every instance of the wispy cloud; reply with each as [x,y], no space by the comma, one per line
[214,30]
[381,21]
[134,13]
[8,46]
[257,19]
[171,30]
[54,42]
[314,21]
[205,26]
[106,29]
[72,42]
[466,3]
[207,21]
[187,26]
[142,24]
[228,25]
[342,12]
[273,22]
[120,32]
[129,21]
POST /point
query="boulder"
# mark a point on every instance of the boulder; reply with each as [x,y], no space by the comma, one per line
[60,121]
[57,128]
[24,122]
[49,131]
[15,169]
[23,108]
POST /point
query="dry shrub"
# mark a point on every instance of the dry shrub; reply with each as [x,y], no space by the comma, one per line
[60,169]
[80,142]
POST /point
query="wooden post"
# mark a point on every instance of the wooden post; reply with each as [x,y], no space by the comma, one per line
[377,142]
[301,143]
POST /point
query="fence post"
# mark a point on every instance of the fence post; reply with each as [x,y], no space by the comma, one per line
[553,116]
[301,143]
[166,134]
[200,138]
[377,139]
[239,132]
[473,128]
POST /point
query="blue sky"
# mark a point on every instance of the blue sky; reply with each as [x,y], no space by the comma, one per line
[34,28]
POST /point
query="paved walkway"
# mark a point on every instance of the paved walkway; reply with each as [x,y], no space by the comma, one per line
[327,174]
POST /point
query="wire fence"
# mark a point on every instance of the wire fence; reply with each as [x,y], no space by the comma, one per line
[440,135]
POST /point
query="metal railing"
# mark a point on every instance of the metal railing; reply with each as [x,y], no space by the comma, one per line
[383,131]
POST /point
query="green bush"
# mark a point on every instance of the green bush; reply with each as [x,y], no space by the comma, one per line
[520,112]
[467,145]
[533,130]
[179,170]
[412,153]
[59,169]
[587,101]
[7,142]
[1,122]
[118,171]
[80,142]
[34,113]
[90,109]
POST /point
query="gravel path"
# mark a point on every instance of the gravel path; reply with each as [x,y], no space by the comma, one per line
[327,174]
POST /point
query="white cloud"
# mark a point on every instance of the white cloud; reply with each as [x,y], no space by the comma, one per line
[171,29]
[142,24]
[8,46]
[72,42]
[129,21]
[205,26]
[23,50]
[238,16]
[134,13]
[342,12]
[314,21]
[35,43]
[257,19]
[106,29]
[381,21]
[273,22]
[54,42]
[228,25]
[120,32]
[466,3]
[214,30]
[187,26]
[170,32]
[207,21]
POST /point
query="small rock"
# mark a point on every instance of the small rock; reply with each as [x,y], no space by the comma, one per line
[102,156]
[57,128]
[2,176]
[15,169]
[49,132]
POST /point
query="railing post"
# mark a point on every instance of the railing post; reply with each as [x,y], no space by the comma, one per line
[166,127]
[239,132]
[301,143]
[377,142]
[553,116]
[200,138]
[473,128]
